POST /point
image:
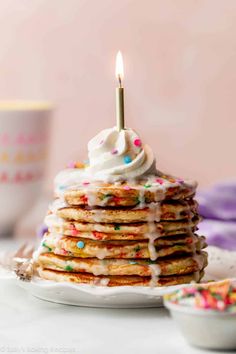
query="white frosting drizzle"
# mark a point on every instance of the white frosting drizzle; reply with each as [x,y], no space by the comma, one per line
[196,276]
[100,269]
[57,204]
[91,196]
[151,246]
[101,282]
[52,220]
[97,215]
[102,253]
[155,272]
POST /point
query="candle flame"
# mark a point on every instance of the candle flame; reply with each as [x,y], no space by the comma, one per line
[119,67]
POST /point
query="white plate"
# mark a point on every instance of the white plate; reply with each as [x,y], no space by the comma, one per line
[96,296]
[221,265]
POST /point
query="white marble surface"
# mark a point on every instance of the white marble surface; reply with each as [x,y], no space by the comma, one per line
[30,325]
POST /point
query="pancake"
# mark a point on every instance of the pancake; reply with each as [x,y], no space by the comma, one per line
[116,220]
[166,211]
[141,267]
[131,193]
[84,248]
[125,280]
[111,231]
[101,236]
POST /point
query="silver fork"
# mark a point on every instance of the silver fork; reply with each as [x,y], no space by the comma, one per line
[21,262]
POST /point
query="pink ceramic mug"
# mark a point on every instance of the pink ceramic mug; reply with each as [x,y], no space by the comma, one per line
[24,137]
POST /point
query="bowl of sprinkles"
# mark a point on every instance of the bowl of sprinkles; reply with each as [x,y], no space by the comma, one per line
[206,314]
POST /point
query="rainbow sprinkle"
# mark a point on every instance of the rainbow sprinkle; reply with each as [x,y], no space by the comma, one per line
[180,180]
[133,262]
[137,248]
[80,244]
[114,151]
[75,164]
[61,188]
[127,159]
[127,188]
[160,181]
[74,232]
[68,268]
[45,245]
[137,142]
[219,296]
[85,183]
[71,164]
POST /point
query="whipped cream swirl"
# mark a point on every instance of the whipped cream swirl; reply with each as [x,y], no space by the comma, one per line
[119,155]
[113,156]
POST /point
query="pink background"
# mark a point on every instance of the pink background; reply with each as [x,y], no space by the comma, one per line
[180,76]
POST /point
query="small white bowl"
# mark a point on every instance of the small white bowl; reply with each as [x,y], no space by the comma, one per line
[205,328]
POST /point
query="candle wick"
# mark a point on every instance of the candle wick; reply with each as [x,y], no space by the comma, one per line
[119,79]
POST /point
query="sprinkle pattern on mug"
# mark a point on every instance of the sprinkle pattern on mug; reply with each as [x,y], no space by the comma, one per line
[21,157]
[22,139]
[20,177]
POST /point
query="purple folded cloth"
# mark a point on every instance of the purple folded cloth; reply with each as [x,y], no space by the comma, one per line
[217,206]
[218,202]
[42,230]
[219,233]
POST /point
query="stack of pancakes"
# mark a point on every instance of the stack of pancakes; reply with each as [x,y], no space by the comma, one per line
[136,233]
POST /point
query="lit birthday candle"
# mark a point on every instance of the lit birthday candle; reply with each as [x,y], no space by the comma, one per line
[120,93]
